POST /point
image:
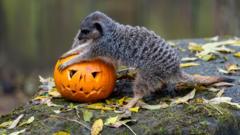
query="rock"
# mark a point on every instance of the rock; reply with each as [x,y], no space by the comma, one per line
[193,118]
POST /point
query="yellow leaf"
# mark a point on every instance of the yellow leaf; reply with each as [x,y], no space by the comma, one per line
[111,120]
[99,106]
[134,109]
[237,54]
[232,68]
[184,99]
[207,57]
[97,127]
[87,115]
[195,47]
[54,93]
[190,64]
[188,59]
[121,101]
[29,121]
[16,121]
[61,133]
[5,124]
[40,97]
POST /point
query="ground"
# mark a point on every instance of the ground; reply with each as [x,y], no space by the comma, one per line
[193,117]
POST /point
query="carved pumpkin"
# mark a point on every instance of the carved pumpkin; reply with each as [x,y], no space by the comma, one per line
[86,81]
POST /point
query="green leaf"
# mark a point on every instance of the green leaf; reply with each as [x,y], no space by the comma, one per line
[87,115]
[111,120]
[29,121]
[190,64]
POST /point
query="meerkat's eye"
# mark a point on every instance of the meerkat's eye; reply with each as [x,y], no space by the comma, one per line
[84,31]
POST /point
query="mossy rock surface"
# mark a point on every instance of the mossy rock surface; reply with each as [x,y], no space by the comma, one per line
[192,118]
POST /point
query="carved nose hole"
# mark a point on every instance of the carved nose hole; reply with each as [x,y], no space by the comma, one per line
[72,72]
[73,91]
[81,89]
[95,74]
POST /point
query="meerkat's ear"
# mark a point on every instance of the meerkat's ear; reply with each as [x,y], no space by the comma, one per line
[99,27]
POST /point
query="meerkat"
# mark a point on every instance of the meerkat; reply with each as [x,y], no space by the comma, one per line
[156,62]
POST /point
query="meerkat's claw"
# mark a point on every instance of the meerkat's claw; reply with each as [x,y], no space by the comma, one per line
[62,67]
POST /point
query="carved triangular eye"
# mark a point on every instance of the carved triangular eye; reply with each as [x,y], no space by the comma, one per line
[95,74]
[72,72]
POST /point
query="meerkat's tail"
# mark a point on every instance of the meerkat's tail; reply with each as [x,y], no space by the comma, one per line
[204,80]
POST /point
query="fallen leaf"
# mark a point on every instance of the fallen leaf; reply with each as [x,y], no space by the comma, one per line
[212,48]
[220,93]
[218,100]
[190,64]
[123,122]
[18,132]
[5,124]
[223,84]
[232,68]
[195,47]
[208,57]
[134,109]
[87,115]
[111,120]
[57,111]
[29,121]
[99,106]
[188,59]
[97,127]
[153,107]
[121,101]
[212,89]
[61,133]
[16,121]
[222,71]
[54,93]
[47,83]
[184,99]
[237,54]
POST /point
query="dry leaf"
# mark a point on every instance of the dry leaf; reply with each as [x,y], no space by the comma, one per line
[121,101]
[209,49]
[29,121]
[222,71]
[184,99]
[111,120]
[232,68]
[188,59]
[153,107]
[220,93]
[61,133]
[223,84]
[57,111]
[87,115]
[16,121]
[47,83]
[99,106]
[195,47]
[134,109]
[5,124]
[237,54]
[218,100]
[18,132]
[97,127]
[54,93]
[190,64]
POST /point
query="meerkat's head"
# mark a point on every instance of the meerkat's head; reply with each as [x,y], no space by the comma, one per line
[92,28]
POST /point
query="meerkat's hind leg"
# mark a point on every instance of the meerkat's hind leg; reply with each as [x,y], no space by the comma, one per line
[144,85]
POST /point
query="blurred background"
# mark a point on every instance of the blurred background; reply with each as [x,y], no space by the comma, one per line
[34,33]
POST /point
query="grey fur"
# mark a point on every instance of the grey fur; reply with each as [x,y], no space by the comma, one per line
[156,61]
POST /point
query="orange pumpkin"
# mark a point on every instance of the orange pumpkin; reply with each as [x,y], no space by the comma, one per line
[86,81]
